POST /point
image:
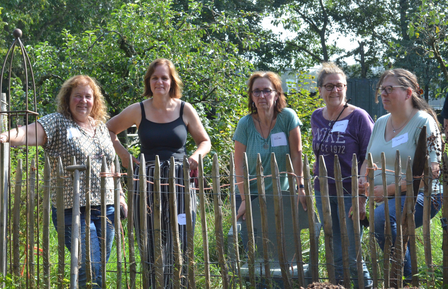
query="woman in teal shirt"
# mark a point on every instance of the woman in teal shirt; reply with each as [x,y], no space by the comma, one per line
[270,127]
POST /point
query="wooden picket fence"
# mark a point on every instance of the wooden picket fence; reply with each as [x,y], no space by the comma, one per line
[42,272]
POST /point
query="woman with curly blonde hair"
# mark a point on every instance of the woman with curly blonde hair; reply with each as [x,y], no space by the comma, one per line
[77,130]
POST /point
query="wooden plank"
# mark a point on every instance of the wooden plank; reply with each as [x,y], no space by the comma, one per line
[342,220]
[280,227]
[88,219]
[409,222]
[388,232]
[31,206]
[328,223]
[249,224]
[372,241]
[427,222]
[61,222]
[314,262]
[295,220]
[117,221]
[217,205]
[46,223]
[174,224]
[233,218]
[355,220]
[75,229]
[204,223]
[16,218]
[190,226]
[131,237]
[264,220]
[103,223]
[143,223]
[397,264]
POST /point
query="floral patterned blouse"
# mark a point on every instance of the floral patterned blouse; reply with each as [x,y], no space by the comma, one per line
[65,139]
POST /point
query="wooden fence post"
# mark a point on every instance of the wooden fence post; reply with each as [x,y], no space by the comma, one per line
[204,223]
[397,264]
[144,224]
[46,223]
[312,221]
[87,220]
[388,232]
[234,220]
[131,240]
[174,224]
[342,220]
[280,228]
[328,223]
[427,221]
[249,223]
[217,204]
[16,218]
[355,220]
[103,223]
[61,222]
[191,283]
[409,222]
[372,241]
[117,220]
[264,221]
[76,224]
[295,219]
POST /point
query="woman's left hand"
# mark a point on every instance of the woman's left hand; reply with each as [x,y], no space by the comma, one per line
[193,161]
[124,205]
[361,208]
[378,194]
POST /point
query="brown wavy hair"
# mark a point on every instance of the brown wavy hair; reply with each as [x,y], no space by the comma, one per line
[176,82]
[276,81]
[99,109]
[407,79]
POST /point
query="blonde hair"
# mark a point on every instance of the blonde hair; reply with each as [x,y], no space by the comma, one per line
[327,69]
[176,82]
[99,109]
[276,81]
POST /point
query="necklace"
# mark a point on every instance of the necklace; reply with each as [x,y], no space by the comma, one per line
[265,144]
[395,129]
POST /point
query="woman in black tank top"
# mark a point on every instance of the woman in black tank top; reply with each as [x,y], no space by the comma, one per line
[163,121]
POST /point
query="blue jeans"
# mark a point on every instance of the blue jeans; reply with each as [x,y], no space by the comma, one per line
[436,201]
[95,240]
[337,242]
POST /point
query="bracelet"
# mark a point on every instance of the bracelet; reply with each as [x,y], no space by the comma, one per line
[301,186]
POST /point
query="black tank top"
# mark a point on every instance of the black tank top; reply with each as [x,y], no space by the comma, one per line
[163,139]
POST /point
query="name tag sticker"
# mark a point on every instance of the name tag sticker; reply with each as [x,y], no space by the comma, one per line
[73,133]
[182,219]
[396,141]
[278,139]
[340,126]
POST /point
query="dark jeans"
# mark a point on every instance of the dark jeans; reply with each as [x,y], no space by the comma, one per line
[95,240]
[380,219]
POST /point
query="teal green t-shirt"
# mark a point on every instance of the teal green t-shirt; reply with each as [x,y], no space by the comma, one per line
[405,142]
[277,142]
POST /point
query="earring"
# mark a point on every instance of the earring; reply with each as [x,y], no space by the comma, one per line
[253,104]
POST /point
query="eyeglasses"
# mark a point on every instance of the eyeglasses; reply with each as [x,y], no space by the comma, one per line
[266,92]
[331,86]
[388,89]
